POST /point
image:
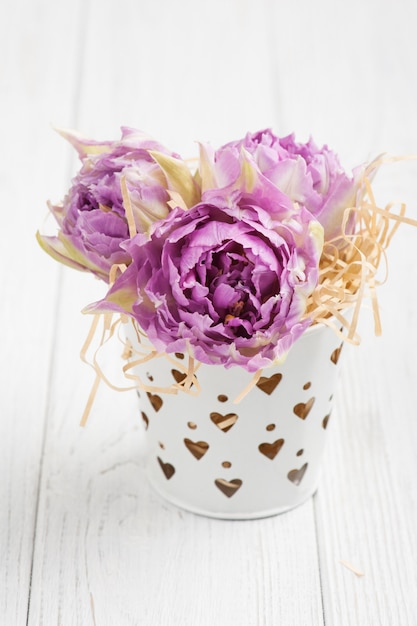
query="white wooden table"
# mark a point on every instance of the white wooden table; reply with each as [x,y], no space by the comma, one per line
[83,539]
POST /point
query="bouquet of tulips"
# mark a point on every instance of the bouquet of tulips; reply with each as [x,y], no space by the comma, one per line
[229,260]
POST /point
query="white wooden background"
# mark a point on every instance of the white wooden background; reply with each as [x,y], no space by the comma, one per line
[83,540]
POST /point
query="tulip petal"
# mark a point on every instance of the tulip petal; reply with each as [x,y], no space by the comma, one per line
[83,145]
[178,176]
[56,249]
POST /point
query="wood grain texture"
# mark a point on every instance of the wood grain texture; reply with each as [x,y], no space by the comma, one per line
[32,90]
[83,539]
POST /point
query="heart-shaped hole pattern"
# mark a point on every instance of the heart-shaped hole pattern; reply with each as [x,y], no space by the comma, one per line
[167,468]
[269,384]
[302,409]
[156,401]
[224,422]
[336,354]
[296,475]
[197,448]
[145,419]
[178,376]
[271,450]
[228,487]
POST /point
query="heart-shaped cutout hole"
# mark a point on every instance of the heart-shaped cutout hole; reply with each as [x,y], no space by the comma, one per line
[224,422]
[271,450]
[269,384]
[197,448]
[296,475]
[302,409]
[155,400]
[336,354]
[178,376]
[145,419]
[228,487]
[167,468]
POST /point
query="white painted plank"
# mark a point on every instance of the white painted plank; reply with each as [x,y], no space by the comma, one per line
[344,73]
[37,81]
[367,507]
[183,72]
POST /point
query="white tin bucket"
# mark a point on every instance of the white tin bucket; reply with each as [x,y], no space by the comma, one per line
[253,459]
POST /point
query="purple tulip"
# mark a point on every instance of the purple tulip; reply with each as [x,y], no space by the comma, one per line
[92,219]
[226,280]
[309,175]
